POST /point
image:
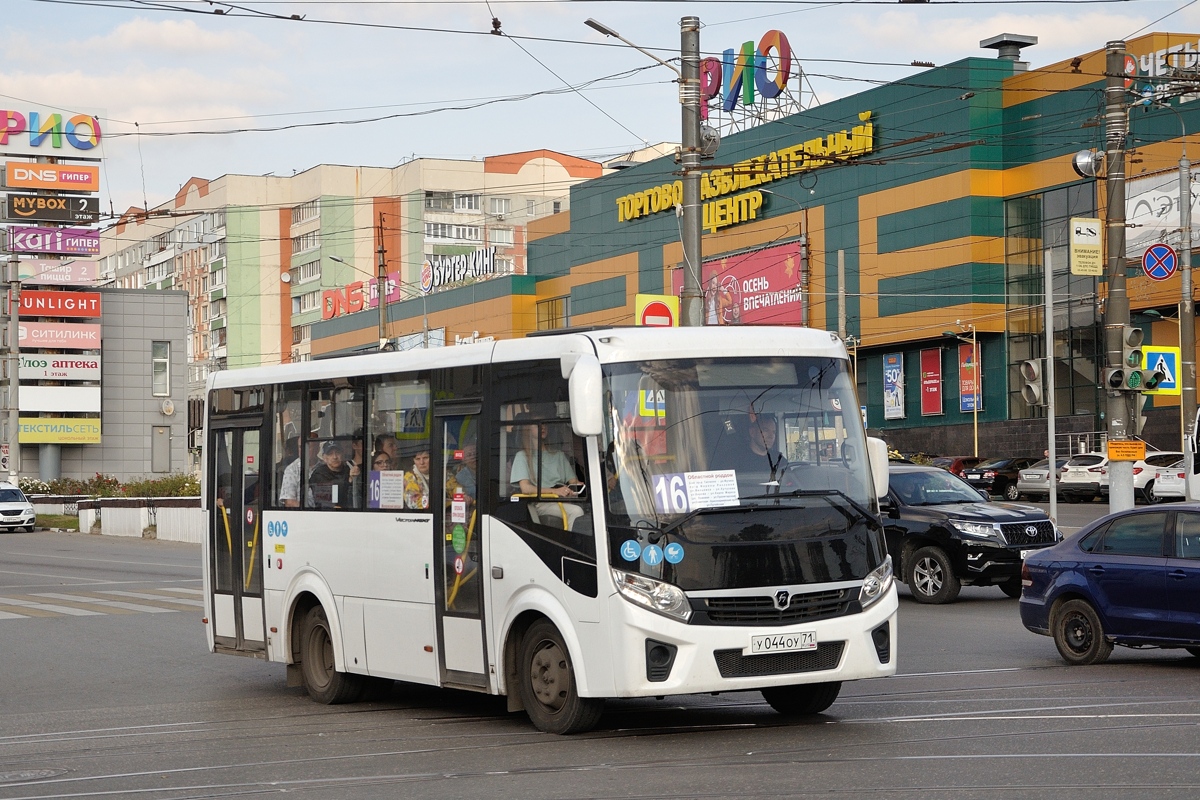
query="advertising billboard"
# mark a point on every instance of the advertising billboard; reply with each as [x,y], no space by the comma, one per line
[893,386]
[931,382]
[60,398]
[51,271]
[761,287]
[61,430]
[59,367]
[72,178]
[59,335]
[65,241]
[58,208]
[50,131]
[38,303]
[968,380]
[1152,211]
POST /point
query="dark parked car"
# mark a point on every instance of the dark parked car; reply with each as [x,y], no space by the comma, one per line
[941,533]
[998,477]
[956,464]
[1131,578]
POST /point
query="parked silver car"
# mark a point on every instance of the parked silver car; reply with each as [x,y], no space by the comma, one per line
[1034,483]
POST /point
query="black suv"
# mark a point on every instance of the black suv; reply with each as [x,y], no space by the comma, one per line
[941,534]
[998,476]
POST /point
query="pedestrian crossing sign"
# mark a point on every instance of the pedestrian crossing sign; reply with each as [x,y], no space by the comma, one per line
[1166,361]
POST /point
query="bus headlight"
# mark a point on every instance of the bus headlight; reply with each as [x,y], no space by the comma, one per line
[660,597]
[876,584]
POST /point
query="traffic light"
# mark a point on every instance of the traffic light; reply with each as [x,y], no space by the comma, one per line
[1151,378]
[1129,377]
[1131,347]
[1032,389]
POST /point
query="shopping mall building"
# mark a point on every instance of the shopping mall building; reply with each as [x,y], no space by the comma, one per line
[910,217]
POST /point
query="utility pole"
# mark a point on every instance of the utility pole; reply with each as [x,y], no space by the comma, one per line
[381,289]
[692,300]
[14,368]
[1116,309]
[1187,314]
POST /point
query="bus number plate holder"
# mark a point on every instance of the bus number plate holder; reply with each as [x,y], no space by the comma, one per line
[782,643]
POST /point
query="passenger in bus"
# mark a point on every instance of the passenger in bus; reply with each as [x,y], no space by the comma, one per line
[465,477]
[557,476]
[330,481]
[387,443]
[291,454]
[416,481]
[381,461]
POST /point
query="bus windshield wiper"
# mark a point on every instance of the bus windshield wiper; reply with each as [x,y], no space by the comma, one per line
[827,494]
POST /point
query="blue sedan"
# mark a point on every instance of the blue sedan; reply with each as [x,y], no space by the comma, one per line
[1131,578]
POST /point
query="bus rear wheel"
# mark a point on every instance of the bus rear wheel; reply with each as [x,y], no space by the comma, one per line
[802,700]
[321,678]
[547,684]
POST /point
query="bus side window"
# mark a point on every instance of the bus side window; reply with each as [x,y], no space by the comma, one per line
[288,426]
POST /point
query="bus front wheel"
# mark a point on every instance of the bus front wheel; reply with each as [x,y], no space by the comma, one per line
[321,678]
[547,684]
[803,699]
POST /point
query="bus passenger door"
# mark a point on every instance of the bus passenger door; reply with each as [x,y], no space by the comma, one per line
[456,524]
[235,505]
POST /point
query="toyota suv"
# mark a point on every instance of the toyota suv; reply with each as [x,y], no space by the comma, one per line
[942,533]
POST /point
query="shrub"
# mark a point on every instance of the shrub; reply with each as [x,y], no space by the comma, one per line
[177,485]
[33,486]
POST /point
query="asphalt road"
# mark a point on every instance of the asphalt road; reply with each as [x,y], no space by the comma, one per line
[125,701]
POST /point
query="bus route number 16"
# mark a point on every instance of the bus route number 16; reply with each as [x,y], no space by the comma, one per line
[670,494]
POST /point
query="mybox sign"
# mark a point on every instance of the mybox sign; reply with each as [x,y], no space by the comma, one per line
[67,241]
[35,303]
[61,208]
[59,367]
[75,178]
[50,132]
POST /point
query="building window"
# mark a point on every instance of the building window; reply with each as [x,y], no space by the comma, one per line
[309,301]
[160,368]
[306,211]
[557,207]
[466,202]
[505,265]
[307,241]
[301,334]
[218,278]
[530,208]
[217,308]
[217,220]
[217,339]
[444,230]
[552,314]
[501,236]
[161,242]
[499,205]
[439,201]
[309,271]
[216,249]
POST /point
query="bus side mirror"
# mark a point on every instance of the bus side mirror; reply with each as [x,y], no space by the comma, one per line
[877,455]
[584,389]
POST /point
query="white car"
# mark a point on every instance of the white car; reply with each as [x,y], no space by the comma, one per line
[1080,478]
[1168,483]
[15,509]
[1143,473]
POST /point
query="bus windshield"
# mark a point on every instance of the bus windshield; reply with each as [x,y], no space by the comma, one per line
[690,435]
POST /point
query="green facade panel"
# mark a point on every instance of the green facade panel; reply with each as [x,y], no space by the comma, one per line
[940,288]
[598,295]
[940,222]
[244,242]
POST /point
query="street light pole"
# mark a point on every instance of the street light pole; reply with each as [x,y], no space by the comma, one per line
[691,306]
[975,385]
[1116,310]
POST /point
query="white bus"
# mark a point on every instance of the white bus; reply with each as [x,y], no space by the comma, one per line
[628,512]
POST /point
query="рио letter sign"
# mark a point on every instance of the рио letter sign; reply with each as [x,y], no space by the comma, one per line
[740,72]
[41,128]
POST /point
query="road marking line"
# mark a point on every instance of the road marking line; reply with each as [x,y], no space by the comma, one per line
[182,589]
[39,609]
[179,601]
[106,602]
[7,615]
